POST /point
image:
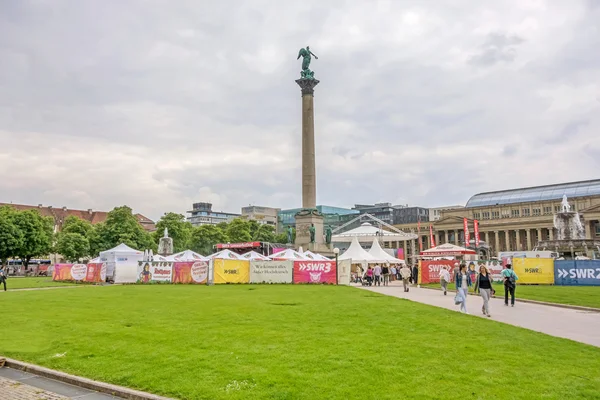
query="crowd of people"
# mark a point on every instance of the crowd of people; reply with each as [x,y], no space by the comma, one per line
[464,279]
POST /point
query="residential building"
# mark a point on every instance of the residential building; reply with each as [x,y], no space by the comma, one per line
[436,213]
[263,215]
[60,215]
[410,215]
[515,219]
[333,216]
[203,214]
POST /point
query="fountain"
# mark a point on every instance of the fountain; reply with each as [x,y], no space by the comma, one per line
[569,235]
[165,245]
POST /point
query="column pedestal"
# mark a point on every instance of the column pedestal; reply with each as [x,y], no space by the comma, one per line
[304,219]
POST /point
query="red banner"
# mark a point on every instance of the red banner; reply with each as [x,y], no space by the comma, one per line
[190,272]
[315,272]
[431,237]
[430,270]
[238,245]
[467,234]
[476,230]
[96,272]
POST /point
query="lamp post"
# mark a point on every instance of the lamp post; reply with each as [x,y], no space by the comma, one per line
[336,251]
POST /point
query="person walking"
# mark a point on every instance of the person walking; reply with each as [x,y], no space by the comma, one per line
[394,271]
[369,276]
[405,274]
[415,275]
[2,277]
[483,285]
[377,274]
[463,283]
[444,279]
[510,284]
[385,272]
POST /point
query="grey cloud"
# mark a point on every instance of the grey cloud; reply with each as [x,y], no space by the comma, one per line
[498,47]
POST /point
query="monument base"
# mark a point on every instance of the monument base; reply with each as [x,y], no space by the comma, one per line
[304,220]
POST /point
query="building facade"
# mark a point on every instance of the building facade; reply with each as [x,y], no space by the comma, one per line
[382,211]
[333,216]
[410,215]
[202,214]
[263,215]
[61,214]
[515,220]
[435,214]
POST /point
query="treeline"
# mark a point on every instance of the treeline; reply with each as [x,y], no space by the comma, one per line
[27,234]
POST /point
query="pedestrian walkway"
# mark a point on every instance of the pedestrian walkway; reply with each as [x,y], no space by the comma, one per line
[581,326]
[18,385]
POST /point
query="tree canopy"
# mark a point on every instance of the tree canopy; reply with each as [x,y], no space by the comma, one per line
[179,229]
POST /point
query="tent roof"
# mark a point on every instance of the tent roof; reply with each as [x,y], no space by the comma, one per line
[315,256]
[288,254]
[122,248]
[186,255]
[227,255]
[367,232]
[380,254]
[254,256]
[94,260]
[356,253]
[447,249]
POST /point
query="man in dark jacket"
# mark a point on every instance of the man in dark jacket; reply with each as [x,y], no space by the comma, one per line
[415,274]
[3,277]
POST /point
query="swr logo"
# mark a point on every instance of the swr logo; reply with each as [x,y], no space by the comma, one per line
[533,270]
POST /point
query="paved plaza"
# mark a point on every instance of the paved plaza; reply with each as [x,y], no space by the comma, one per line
[18,385]
[581,326]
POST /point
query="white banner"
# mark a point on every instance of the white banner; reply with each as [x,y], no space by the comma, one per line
[155,271]
[271,271]
[344,267]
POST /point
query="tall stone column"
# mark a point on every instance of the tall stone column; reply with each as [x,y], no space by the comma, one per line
[518,240]
[309,175]
[309,217]
[539,235]
[507,239]
[528,232]
[497,242]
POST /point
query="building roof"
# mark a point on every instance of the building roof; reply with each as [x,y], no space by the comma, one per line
[61,214]
[536,193]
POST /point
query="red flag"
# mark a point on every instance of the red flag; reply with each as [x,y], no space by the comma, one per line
[476,229]
[431,237]
[419,233]
[467,234]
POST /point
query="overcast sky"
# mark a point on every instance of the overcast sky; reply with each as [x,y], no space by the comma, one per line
[159,104]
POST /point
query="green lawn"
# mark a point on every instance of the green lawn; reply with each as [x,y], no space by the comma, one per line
[33,282]
[587,296]
[288,342]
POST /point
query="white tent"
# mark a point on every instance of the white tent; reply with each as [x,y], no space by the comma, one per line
[380,254]
[288,254]
[121,263]
[186,255]
[315,256]
[357,254]
[254,256]
[367,232]
[226,255]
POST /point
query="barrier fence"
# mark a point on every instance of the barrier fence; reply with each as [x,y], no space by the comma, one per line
[222,272]
[532,271]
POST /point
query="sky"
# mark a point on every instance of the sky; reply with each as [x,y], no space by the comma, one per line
[159,104]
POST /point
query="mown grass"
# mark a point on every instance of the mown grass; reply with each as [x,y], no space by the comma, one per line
[33,282]
[586,296]
[288,342]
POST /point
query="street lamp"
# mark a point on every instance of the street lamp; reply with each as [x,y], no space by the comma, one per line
[336,251]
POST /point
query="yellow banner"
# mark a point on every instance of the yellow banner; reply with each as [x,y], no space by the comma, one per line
[534,270]
[231,271]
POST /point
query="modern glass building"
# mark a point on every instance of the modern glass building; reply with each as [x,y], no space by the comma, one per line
[202,214]
[333,216]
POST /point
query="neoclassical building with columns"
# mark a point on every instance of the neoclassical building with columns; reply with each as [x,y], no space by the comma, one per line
[513,220]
